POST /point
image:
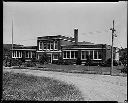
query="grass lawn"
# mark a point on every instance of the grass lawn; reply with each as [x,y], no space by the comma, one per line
[27,87]
[84,69]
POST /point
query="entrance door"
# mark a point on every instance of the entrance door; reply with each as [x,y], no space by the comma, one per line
[49,58]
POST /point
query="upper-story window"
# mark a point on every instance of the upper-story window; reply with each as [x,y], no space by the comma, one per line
[56,44]
[52,45]
[40,45]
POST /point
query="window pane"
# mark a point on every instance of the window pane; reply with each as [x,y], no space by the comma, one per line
[83,54]
[91,54]
[72,54]
[99,55]
[64,54]
[48,45]
[45,45]
[95,54]
[51,45]
[87,54]
[56,45]
[40,45]
[55,56]
[76,54]
[17,53]
[68,54]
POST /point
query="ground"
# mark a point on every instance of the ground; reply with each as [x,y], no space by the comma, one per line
[94,87]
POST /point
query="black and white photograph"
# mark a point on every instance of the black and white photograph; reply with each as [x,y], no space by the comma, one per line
[65,51]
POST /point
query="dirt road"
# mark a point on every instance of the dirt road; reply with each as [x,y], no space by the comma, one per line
[93,87]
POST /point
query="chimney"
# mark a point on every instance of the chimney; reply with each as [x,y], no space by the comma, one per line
[76,36]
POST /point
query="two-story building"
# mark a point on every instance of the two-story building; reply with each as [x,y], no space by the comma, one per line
[68,47]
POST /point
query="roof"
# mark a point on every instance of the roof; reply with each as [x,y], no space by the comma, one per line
[55,37]
[26,47]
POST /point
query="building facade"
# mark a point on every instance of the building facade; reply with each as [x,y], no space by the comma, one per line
[67,47]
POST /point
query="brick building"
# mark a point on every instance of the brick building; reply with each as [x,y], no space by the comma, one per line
[68,47]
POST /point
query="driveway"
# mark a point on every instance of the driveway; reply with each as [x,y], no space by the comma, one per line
[93,87]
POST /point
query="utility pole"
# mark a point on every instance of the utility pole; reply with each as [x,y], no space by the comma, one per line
[113,30]
[12,40]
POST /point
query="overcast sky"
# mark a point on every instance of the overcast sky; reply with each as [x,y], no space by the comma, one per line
[93,21]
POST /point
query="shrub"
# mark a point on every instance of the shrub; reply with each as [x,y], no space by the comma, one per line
[108,63]
[78,61]
[68,62]
[88,61]
[60,60]
[124,70]
[44,58]
[29,64]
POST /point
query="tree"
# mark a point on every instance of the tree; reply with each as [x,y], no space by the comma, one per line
[60,60]
[88,61]
[123,59]
[44,58]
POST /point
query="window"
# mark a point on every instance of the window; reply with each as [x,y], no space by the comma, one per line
[68,54]
[83,55]
[56,45]
[95,54]
[51,45]
[21,54]
[87,54]
[55,56]
[40,43]
[99,55]
[48,43]
[17,53]
[76,54]
[45,45]
[64,54]
[72,54]
[91,54]
[27,54]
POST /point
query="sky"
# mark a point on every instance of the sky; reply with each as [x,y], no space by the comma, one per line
[93,20]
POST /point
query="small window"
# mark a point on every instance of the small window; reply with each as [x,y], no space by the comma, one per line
[55,56]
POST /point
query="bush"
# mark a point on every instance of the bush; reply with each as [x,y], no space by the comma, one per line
[60,60]
[88,61]
[29,64]
[124,70]
[108,63]
[44,58]
[16,62]
[55,62]
[78,61]
[68,62]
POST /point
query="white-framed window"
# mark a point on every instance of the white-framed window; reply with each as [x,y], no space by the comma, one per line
[27,54]
[41,45]
[56,45]
[55,56]
[52,45]
[94,54]
[70,54]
